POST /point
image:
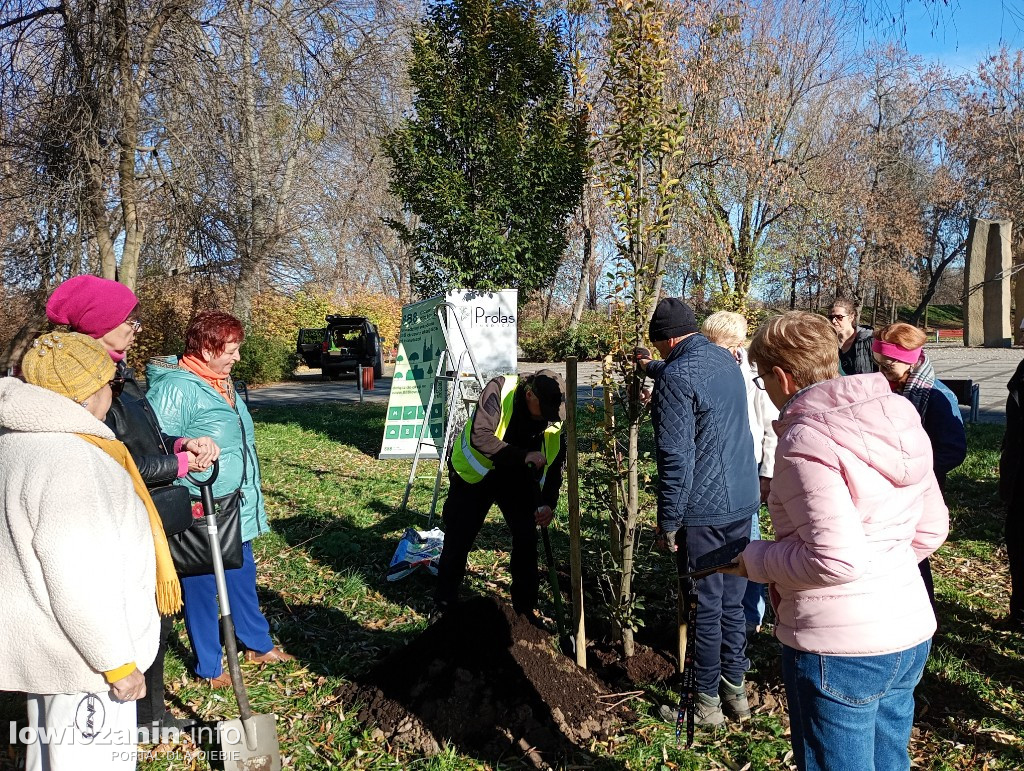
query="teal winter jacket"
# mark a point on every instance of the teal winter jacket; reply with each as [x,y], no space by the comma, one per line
[187,405]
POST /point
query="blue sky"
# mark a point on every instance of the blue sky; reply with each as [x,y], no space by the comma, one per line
[965,34]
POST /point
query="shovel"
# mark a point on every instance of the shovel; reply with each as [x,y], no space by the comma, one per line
[565,641]
[250,742]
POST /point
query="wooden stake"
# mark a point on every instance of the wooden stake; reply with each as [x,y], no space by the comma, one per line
[683,626]
[572,466]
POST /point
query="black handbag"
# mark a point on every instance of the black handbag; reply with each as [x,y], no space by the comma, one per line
[174,506]
[190,549]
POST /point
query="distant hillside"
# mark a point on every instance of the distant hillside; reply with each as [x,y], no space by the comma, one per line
[939,316]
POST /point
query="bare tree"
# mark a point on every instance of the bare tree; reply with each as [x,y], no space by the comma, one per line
[265,138]
[91,65]
[762,114]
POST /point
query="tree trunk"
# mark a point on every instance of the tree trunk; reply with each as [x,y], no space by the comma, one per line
[615,520]
[250,236]
[246,289]
[632,515]
[16,348]
[588,256]
[933,284]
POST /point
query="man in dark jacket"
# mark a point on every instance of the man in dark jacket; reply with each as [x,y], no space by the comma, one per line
[707,492]
[1011,490]
[511,452]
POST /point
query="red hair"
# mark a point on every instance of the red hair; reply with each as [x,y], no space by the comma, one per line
[905,336]
[212,331]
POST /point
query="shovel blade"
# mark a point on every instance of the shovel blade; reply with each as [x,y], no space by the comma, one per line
[236,754]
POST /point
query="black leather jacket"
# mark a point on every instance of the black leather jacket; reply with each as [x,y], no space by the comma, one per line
[132,420]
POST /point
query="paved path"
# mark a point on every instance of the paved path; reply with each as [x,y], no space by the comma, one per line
[310,388]
[989,367]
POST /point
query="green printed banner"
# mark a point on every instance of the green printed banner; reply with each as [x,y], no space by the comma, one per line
[420,343]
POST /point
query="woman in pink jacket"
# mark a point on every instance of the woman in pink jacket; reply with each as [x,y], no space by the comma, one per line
[855,506]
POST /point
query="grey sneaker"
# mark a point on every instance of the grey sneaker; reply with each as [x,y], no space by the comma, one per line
[734,699]
[709,711]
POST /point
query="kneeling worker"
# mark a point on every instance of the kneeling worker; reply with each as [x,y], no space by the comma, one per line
[511,452]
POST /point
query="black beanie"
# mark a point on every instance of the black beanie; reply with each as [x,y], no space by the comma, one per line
[672,318]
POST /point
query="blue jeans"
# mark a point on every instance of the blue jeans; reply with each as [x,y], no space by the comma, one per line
[202,614]
[852,713]
[753,597]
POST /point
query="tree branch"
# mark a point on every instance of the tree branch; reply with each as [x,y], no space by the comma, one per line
[44,11]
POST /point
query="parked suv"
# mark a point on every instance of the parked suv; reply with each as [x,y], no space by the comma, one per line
[343,345]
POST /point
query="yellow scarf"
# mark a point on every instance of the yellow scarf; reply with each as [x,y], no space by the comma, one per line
[168,590]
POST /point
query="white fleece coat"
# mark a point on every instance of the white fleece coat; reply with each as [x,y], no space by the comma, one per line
[761,413]
[77,571]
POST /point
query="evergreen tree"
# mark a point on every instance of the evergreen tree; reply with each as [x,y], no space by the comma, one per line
[492,161]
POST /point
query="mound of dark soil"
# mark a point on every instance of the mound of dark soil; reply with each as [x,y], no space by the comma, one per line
[491,682]
[644,667]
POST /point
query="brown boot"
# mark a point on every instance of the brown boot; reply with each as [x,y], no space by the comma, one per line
[223,680]
[272,656]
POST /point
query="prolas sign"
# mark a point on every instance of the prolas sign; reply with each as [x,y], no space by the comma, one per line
[489,318]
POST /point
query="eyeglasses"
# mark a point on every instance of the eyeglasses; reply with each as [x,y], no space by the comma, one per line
[135,324]
[884,361]
[758,382]
[836,317]
[116,386]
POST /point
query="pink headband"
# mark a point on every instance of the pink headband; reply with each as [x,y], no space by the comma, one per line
[894,351]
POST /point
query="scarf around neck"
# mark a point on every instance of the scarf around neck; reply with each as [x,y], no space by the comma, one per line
[168,589]
[198,367]
[919,384]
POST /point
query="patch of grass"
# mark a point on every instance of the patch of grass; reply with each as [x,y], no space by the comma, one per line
[335,519]
[940,316]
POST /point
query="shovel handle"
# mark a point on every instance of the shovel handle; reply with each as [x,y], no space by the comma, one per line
[208,482]
[227,624]
[206,489]
[237,685]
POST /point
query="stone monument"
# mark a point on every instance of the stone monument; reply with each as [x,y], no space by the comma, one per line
[987,284]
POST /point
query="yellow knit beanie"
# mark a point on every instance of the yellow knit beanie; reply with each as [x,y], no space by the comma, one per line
[67,363]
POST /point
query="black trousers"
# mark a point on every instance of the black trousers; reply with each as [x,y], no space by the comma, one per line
[517,495]
[721,643]
[151,706]
[1015,556]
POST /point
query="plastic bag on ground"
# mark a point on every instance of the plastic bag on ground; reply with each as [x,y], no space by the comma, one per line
[417,549]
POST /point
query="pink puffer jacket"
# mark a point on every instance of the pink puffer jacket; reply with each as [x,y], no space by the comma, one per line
[855,507]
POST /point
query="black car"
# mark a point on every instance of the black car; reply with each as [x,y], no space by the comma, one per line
[346,343]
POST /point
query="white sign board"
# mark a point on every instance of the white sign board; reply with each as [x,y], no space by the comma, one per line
[489,322]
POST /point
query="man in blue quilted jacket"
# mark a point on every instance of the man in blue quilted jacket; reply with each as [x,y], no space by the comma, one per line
[707,491]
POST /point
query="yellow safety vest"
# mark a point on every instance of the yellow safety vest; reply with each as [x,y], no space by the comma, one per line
[473,466]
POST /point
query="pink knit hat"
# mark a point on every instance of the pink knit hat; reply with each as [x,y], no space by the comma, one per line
[91,305]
